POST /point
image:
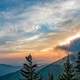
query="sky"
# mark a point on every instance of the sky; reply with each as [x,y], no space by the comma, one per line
[37,27]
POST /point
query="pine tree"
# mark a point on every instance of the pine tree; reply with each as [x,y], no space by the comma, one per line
[41,78]
[69,73]
[77,68]
[29,71]
[50,76]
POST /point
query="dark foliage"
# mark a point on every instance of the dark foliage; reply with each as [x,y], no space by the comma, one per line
[29,71]
[77,67]
[69,73]
[50,76]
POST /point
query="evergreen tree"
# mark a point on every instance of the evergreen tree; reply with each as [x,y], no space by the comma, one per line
[77,68]
[29,70]
[69,73]
[41,78]
[50,76]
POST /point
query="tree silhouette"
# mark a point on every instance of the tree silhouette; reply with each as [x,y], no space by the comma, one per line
[77,68]
[29,70]
[50,76]
[69,73]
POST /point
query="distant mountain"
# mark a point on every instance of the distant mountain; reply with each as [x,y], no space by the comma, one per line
[74,46]
[12,76]
[6,69]
[56,68]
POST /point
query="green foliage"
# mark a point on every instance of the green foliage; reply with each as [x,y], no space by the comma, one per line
[29,71]
[69,73]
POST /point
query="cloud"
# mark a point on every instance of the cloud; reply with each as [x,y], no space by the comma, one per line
[25,20]
[70,39]
[35,15]
[46,49]
[31,38]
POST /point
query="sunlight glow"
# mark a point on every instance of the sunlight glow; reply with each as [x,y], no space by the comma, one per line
[68,40]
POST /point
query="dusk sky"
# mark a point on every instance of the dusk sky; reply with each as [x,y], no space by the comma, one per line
[37,27]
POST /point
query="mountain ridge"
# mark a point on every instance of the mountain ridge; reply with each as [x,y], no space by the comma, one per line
[55,67]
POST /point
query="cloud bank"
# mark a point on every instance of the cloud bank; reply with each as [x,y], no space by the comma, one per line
[25,21]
